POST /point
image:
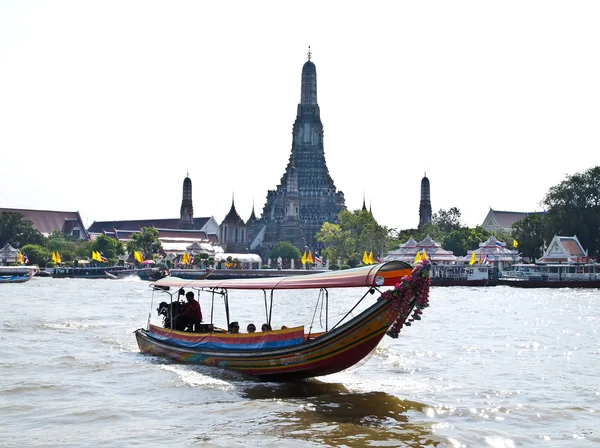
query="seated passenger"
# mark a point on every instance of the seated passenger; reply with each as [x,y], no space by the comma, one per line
[234,328]
[284,327]
[265,327]
[190,314]
[251,328]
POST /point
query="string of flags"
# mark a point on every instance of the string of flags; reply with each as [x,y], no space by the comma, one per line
[138,256]
[308,257]
[56,257]
[370,259]
[22,258]
[187,258]
[99,256]
[420,256]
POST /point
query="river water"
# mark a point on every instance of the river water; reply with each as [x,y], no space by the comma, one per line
[496,366]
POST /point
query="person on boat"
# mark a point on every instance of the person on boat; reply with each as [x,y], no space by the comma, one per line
[251,328]
[265,327]
[234,328]
[191,313]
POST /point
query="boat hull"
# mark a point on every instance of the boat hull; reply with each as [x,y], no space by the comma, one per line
[17,278]
[452,282]
[328,353]
[550,283]
[151,274]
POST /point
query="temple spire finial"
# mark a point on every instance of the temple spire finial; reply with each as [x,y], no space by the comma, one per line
[309,54]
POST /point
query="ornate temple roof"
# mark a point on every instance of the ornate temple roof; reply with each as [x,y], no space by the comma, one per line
[408,251]
[496,251]
[233,217]
[503,220]
[564,249]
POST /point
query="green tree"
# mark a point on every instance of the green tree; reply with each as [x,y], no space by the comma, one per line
[201,259]
[457,241]
[17,231]
[574,209]
[66,246]
[37,254]
[366,234]
[146,242]
[110,247]
[83,249]
[447,220]
[338,242]
[529,233]
[285,250]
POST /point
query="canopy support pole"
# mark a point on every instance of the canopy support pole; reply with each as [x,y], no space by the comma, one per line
[226,297]
[270,309]
[266,306]
[212,307]
[326,310]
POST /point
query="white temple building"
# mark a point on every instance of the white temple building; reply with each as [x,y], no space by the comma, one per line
[408,251]
[496,252]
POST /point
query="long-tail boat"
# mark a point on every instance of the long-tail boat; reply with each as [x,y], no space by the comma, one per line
[17,274]
[291,353]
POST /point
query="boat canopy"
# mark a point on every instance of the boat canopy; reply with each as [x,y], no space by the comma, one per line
[385,274]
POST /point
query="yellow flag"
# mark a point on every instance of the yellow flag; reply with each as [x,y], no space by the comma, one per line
[417,257]
[365,259]
[310,258]
[424,256]
[20,256]
[371,257]
[138,256]
[515,244]
[304,258]
[53,256]
[58,260]
[473,260]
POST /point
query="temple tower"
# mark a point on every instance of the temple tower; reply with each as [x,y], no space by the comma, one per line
[292,225]
[232,232]
[425,206]
[313,191]
[186,216]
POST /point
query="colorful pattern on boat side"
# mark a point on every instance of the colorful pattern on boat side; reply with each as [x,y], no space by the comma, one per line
[217,341]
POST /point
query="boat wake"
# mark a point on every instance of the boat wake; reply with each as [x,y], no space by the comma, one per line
[194,377]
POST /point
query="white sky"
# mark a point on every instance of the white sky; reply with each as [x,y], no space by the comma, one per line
[105,106]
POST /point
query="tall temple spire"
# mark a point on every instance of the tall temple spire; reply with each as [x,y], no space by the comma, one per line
[425,205]
[308,91]
[306,184]
[186,215]
[252,215]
